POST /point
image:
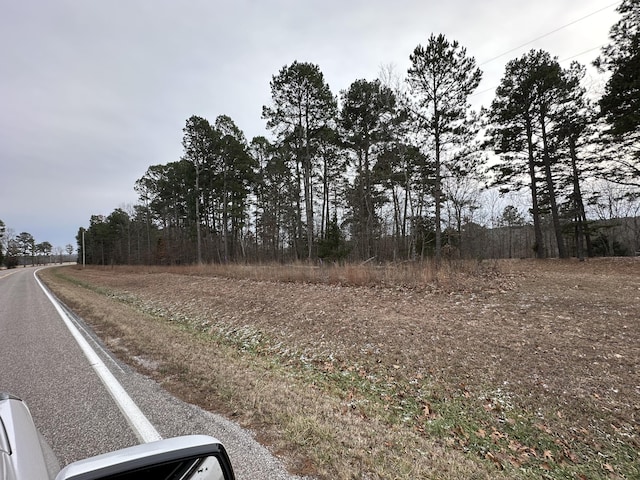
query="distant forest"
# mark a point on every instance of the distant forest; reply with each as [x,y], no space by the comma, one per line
[397,169]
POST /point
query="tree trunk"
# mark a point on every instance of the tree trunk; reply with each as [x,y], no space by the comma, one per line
[535,209]
[368,205]
[437,189]
[298,222]
[324,219]
[308,190]
[396,223]
[555,216]
[581,215]
[405,210]
[225,217]
[198,233]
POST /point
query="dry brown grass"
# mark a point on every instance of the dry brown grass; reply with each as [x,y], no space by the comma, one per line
[450,274]
[524,369]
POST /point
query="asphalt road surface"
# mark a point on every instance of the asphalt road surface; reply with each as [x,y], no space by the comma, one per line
[42,363]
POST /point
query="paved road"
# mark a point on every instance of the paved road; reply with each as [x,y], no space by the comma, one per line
[42,363]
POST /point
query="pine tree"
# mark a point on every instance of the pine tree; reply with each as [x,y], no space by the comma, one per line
[303,106]
[620,104]
[367,110]
[441,78]
[522,118]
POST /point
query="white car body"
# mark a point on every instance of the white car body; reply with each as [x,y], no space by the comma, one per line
[25,455]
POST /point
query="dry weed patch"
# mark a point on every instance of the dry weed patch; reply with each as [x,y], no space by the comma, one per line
[524,369]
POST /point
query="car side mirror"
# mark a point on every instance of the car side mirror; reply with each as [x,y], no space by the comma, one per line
[193,457]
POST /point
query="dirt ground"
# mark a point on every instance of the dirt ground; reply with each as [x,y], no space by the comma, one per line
[529,369]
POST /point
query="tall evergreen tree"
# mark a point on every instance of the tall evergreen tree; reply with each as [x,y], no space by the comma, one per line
[197,143]
[27,245]
[267,193]
[441,78]
[333,166]
[573,123]
[521,117]
[547,83]
[620,104]
[302,107]
[169,196]
[232,177]
[119,225]
[367,111]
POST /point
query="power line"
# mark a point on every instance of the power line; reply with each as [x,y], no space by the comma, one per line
[582,53]
[475,94]
[548,33]
[543,36]
[559,61]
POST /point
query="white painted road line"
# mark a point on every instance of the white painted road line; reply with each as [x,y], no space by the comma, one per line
[6,274]
[90,338]
[141,426]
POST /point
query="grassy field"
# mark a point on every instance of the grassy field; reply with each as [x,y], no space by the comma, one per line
[511,369]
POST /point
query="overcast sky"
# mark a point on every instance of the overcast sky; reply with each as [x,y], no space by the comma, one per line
[93,92]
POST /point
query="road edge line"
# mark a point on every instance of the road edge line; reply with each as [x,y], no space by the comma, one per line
[141,426]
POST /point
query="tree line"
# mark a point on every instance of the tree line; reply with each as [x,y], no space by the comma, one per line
[392,168]
[22,249]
